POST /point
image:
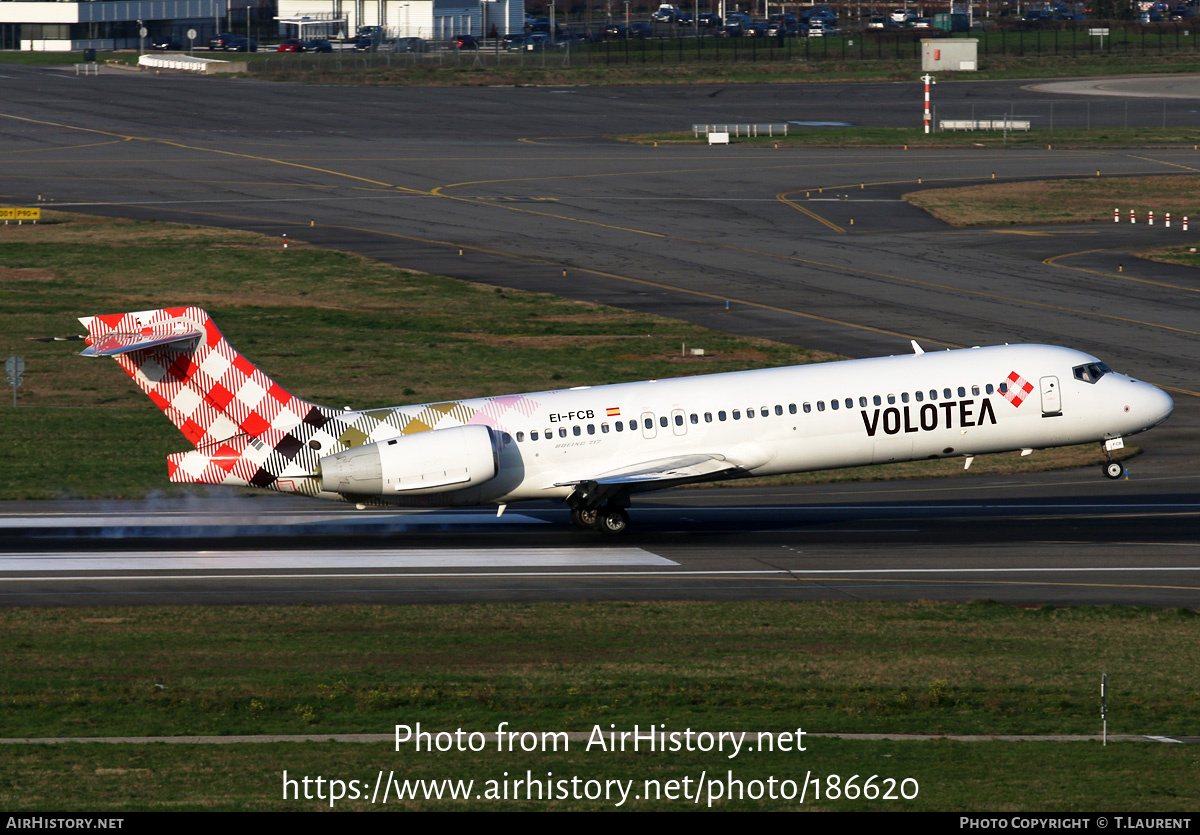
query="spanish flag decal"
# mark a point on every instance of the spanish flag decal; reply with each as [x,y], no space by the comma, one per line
[614,411]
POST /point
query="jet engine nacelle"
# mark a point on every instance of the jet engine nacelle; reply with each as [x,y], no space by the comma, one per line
[426,462]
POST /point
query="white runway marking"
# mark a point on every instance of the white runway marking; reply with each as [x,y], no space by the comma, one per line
[314,559]
[227,519]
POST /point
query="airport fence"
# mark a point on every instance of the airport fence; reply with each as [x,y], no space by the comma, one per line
[1064,39]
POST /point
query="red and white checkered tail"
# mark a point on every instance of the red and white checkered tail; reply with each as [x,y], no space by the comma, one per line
[183,363]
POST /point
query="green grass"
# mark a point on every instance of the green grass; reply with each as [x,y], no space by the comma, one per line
[977,668]
[833,667]
[1063,201]
[959,777]
[1185,255]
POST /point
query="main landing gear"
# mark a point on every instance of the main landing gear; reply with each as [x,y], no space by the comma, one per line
[599,508]
[609,519]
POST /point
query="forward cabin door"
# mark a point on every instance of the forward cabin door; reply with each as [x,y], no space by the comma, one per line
[1051,401]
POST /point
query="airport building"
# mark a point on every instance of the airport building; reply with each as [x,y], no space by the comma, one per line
[428,19]
[109,24]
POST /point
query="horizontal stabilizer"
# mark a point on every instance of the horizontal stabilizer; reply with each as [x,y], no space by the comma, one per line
[114,343]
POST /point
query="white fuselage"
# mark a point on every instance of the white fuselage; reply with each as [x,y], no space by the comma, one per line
[811,417]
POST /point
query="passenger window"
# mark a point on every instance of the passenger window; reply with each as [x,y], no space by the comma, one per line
[533,436]
[975,390]
[562,431]
[737,414]
[962,392]
[662,421]
[778,410]
[849,402]
[904,397]
[862,402]
[833,404]
[749,414]
[695,418]
[946,393]
[620,424]
[520,437]
[791,408]
[633,426]
[877,400]
[1003,388]
[591,429]
[807,408]
[764,411]
[988,388]
[679,420]
[708,417]
[891,398]
[721,415]
[820,405]
[920,395]
[575,431]
[604,429]
[649,423]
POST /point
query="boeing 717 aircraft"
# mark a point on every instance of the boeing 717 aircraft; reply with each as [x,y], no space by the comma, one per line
[595,447]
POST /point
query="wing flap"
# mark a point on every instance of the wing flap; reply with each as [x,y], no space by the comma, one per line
[667,470]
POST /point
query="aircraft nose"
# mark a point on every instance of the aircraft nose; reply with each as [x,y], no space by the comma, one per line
[1151,406]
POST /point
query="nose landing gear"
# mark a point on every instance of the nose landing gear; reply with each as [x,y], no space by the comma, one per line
[1113,469]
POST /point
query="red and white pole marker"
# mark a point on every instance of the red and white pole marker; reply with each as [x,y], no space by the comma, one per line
[1132,216]
[285,240]
[929,80]
[1185,223]
[1116,215]
[1168,220]
[1152,217]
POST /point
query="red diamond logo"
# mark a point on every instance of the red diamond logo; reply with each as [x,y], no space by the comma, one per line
[1018,388]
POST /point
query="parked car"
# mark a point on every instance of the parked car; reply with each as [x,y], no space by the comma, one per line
[242,45]
[171,43]
[291,45]
[466,42]
[221,41]
[641,29]
[366,45]
[712,21]
[318,45]
[410,45]
[616,30]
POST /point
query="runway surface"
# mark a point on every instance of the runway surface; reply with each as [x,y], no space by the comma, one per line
[811,246]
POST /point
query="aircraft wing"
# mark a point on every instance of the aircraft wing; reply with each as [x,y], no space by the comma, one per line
[664,472]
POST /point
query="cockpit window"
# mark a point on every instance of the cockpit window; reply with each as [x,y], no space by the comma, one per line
[1091,372]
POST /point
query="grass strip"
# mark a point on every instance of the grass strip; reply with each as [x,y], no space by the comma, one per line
[977,777]
[1065,201]
[847,667]
[835,137]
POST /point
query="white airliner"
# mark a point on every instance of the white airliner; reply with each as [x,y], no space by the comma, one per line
[594,447]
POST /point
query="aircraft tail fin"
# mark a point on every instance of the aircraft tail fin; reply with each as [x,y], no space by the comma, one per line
[191,372]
